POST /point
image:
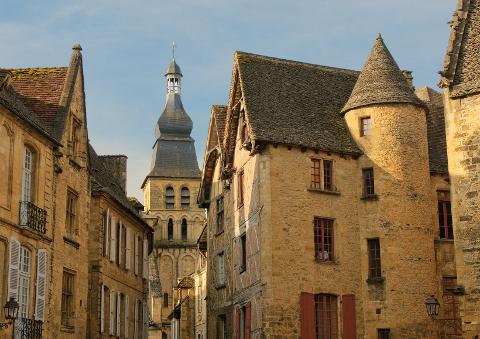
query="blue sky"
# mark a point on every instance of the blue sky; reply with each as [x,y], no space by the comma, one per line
[127,46]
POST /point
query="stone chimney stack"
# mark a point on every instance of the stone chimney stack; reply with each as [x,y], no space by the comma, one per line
[117,165]
[408,75]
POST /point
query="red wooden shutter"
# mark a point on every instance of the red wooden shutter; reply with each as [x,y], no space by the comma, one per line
[237,320]
[349,317]
[307,315]
[247,320]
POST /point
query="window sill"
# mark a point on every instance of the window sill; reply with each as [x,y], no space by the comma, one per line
[319,190]
[376,281]
[71,242]
[326,262]
[68,329]
[371,197]
[445,240]
[74,163]
[218,287]
[219,233]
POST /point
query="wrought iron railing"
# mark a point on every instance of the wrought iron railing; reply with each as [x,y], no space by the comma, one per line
[28,329]
[33,216]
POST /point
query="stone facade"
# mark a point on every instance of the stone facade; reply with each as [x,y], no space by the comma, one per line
[459,80]
[268,242]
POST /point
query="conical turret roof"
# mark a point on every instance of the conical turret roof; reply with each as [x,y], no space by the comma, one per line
[381,81]
[173,68]
[174,120]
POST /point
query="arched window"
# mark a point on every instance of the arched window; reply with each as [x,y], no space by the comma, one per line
[28,174]
[184,229]
[164,336]
[170,229]
[185,198]
[169,197]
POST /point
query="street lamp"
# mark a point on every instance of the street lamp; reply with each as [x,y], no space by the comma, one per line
[433,306]
[11,312]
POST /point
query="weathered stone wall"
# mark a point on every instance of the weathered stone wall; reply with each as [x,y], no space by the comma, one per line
[463,147]
[112,275]
[14,135]
[175,258]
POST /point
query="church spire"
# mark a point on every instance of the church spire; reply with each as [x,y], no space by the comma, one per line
[174,150]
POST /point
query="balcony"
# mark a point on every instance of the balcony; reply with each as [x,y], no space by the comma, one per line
[33,217]
[28,328]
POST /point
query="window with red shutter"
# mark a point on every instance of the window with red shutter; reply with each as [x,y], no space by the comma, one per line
[307,315]
[349,317]
[326,316]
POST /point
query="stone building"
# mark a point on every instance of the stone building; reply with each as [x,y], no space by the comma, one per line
[170,190]
[460,80]
[45,197]
[328,204]
[119,245]
[200,284]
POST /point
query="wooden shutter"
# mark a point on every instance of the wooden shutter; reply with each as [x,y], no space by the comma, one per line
[102,308]
[112,306]
[41,284]
[307,315]
[113,242]
[349,317]
[135,324]
[128,248]
[135,247]
[145,258]
[13,269]
[126,316]
[119,245]
[119,306]
[106,231]
[248,318]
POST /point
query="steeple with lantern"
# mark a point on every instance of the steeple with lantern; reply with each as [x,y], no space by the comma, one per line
[174,149]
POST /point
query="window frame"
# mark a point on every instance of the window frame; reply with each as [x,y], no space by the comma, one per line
[444,213]
[29,173]
[24,275]
[184,229]
[169,197]
[220,276]
[170,227]
[240,188]
[322,174]
[383,333]
[165,301]
[185,198]
[71,213]
[374,259]
[323,230]
[68,299]
[365,130]
[75,136]
[368,182]
[328,316]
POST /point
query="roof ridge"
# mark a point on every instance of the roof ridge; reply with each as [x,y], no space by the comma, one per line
[328,68]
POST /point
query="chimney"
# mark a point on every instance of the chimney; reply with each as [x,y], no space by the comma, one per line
[117,166]
[408,75]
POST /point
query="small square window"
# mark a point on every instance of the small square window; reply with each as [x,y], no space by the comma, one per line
[365,126]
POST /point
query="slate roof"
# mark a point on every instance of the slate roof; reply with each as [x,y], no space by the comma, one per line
[174,153]
[173,68]
[219,114]
[40,90]
[296,103]
[381,81]
[437,142]
[104,181]
[462,62]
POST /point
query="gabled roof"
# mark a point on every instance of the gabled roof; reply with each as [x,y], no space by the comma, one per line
[437,143]
[104,181]
[461,72]
[381,81]
[295,103]
[40,90]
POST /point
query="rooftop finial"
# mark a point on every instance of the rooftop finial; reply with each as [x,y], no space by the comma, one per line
[173,50]
[379,36]
[77,47]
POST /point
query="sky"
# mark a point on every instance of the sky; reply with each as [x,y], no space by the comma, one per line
[127,47]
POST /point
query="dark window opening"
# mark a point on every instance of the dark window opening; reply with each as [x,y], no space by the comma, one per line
[169,198]
[185,198]
[184,230]
[165,299]
[383,333]
[243,252]
[170,229]
[241,189]
[220,214]
[328,175]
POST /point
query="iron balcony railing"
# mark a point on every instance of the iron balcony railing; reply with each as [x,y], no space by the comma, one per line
[28,329]
[33,217]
